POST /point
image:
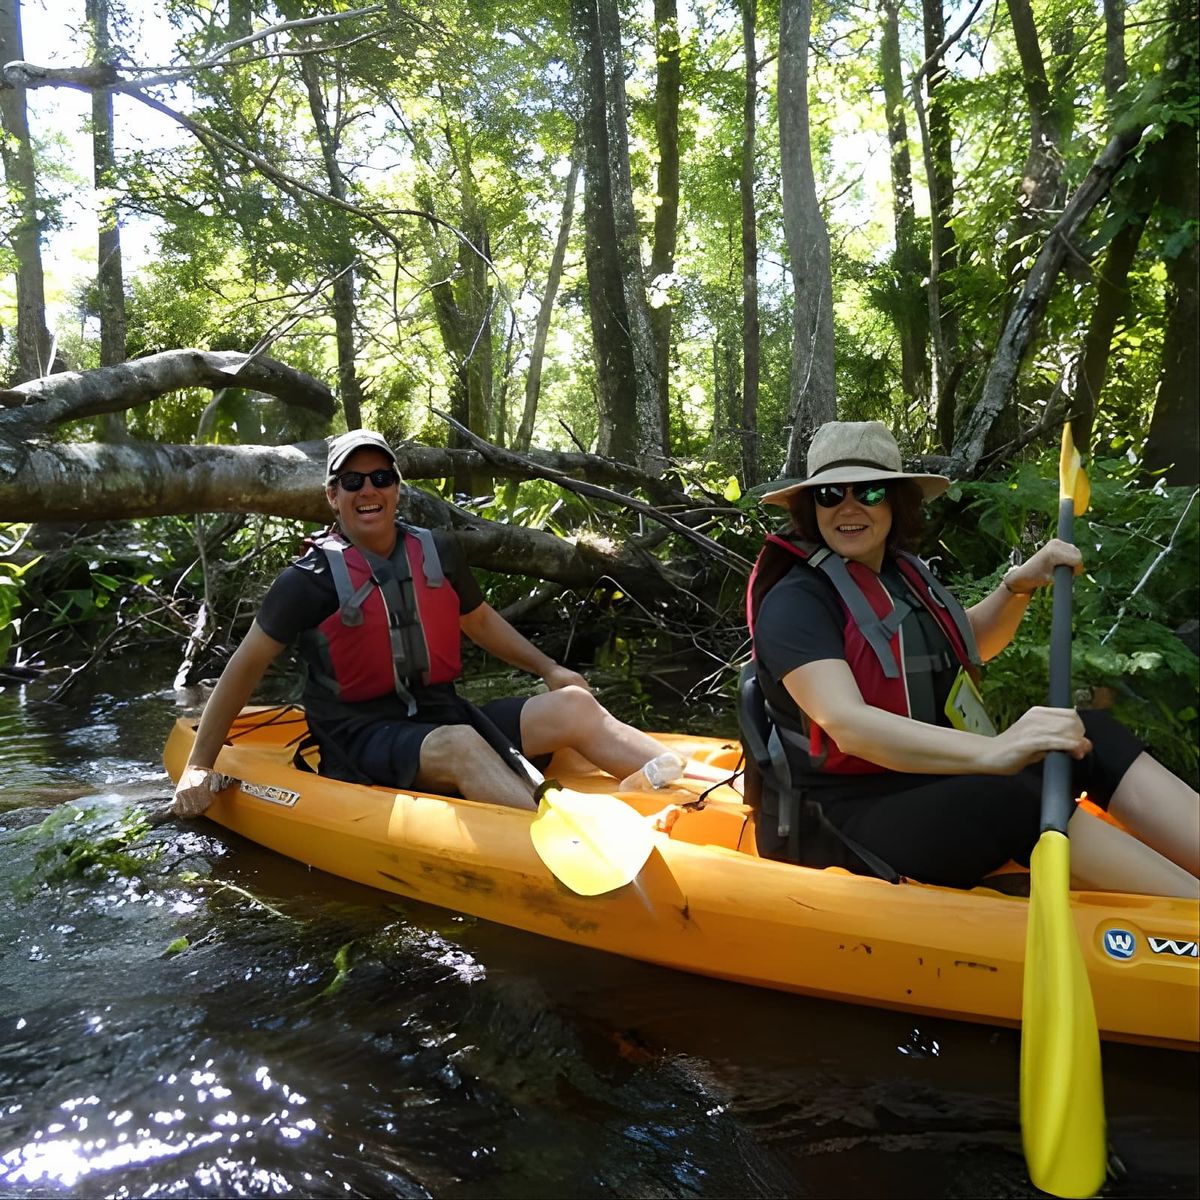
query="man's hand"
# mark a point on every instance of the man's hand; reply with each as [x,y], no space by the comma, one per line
[197,788]
[561,677]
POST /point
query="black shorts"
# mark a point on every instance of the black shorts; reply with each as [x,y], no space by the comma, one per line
[955,829]
[388,752]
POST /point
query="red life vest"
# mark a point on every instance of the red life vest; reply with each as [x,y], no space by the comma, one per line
[875,650]
[397,621]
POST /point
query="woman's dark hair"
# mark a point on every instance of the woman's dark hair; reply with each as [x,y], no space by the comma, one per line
[904,496]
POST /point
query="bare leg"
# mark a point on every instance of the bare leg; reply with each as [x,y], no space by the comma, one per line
[1105,859]
[455,756]
[573,718]
[1162,810]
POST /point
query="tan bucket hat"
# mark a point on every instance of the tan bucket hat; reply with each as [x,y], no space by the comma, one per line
[855,452]
[345,444]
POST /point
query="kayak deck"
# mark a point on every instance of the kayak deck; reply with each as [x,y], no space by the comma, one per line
[704,902]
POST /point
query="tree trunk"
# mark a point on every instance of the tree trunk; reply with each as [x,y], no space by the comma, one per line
[623,342]
[937,137]
[533,378]
[1115,69]
[1112,302]
[666,212]
[110,283]
[33,338]
[908,260]
[342,262]
[1026,315]
[1041,184]
[751,330]
[812,398]
[1174,439]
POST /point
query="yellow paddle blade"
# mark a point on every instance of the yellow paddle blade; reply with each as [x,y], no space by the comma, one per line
[1072,478]
[591,843]
[1062,1093]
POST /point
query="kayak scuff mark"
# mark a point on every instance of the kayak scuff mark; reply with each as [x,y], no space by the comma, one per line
[804,904]
[858,946]
[458,879]
[404,883]
[963,962]
[547,904]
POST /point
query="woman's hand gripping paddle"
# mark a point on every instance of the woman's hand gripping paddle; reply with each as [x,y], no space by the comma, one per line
[1062,1096]
[592,843]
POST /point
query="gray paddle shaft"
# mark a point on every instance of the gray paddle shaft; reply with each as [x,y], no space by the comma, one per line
[1057,802]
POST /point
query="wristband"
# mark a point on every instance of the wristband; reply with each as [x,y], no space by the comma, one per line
[1012,591]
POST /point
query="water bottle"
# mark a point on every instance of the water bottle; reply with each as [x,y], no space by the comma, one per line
[658,773]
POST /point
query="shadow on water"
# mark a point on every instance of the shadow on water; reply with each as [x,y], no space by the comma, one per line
[203,1018]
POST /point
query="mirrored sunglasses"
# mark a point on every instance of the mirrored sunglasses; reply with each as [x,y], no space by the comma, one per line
[830,495]
[352,481]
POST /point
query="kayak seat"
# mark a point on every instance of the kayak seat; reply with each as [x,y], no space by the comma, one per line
[789,822]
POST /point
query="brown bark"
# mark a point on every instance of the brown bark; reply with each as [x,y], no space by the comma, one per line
[812,399]
[1023,321]
[110,283]
[908,259]
[345,311]
[537,353]
[666,212]
[1112,303]
[1173,443]
[1040,193]
[623,342]
[33,338]
[937,144]
[751,329]
[37,405]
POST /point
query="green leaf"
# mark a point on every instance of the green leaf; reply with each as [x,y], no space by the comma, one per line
[178,946]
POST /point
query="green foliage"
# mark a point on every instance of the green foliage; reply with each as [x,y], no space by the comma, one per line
[1126,652]
[89,843]
[12,579]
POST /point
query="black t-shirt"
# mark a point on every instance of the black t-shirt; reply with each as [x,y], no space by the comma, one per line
[801,621]
[304,594]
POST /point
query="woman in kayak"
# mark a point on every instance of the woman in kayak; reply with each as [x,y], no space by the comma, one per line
[866,664]
[377,610]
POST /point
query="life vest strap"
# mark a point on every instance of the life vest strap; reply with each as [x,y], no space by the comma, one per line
[875,629]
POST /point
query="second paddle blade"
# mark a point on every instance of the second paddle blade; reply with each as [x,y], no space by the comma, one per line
[591,843]
[1062,1092]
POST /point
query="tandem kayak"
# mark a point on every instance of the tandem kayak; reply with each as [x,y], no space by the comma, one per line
[705,902]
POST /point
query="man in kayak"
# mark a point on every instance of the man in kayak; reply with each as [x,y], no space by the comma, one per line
[376,610]
[867,664]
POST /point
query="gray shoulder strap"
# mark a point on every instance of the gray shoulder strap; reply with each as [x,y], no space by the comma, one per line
[945,599]
[350,601]
[434,575]
[878,631]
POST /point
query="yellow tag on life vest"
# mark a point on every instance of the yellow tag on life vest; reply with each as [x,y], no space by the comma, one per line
[964,706]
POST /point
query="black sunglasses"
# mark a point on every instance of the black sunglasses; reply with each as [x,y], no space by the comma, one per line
[352,481]
[830,495]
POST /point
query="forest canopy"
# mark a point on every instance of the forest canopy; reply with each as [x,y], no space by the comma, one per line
[639,248]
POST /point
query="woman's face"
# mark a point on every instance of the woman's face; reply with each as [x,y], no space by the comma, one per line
[855,530]
[367,517]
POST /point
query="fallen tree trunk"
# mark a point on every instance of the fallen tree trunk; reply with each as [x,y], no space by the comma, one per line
[45,480]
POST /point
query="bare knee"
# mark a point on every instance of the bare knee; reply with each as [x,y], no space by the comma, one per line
[453,754]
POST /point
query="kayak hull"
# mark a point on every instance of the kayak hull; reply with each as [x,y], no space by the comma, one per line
[704,902]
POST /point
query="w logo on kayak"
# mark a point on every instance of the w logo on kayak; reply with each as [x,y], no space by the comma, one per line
[1171,946]
[1119,943]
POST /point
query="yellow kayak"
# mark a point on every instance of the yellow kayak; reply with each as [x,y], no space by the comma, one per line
[704,902]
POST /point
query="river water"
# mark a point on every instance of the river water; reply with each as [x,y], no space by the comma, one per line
[208,1019]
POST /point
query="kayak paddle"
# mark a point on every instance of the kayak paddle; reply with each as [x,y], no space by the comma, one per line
[591,842]
[1062,1096]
